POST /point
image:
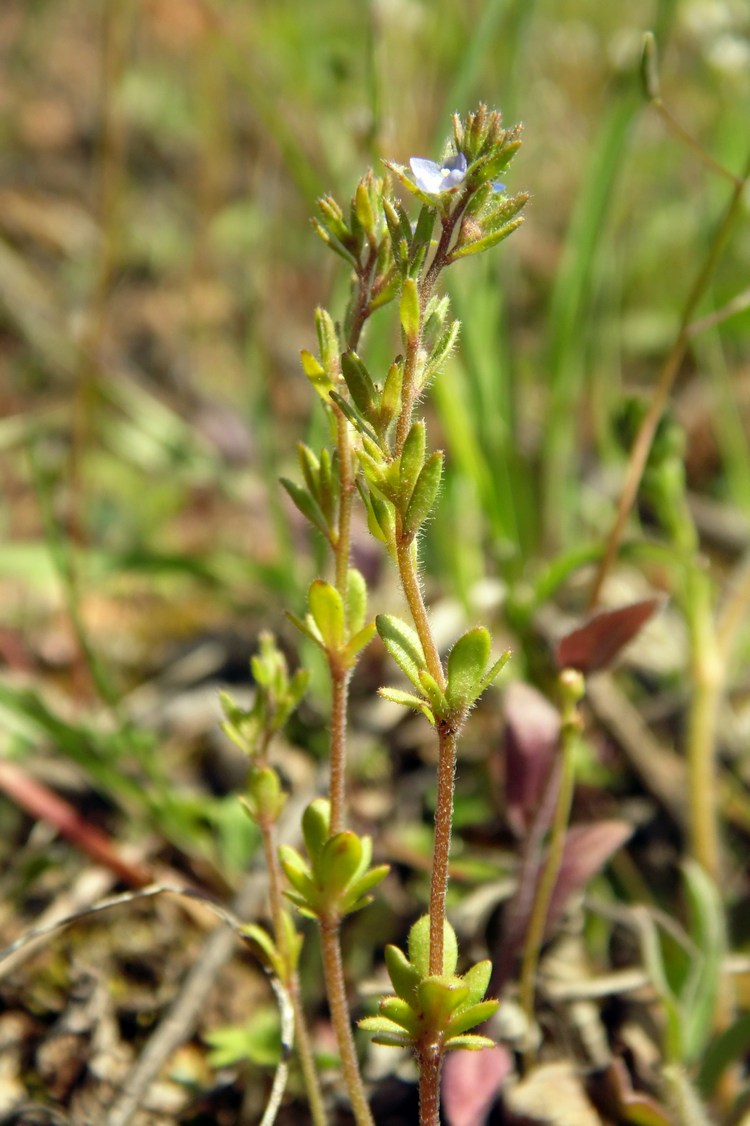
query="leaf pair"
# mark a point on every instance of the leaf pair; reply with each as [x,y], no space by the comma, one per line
[336,626]
[429,1008]
[468,673]
[337,878]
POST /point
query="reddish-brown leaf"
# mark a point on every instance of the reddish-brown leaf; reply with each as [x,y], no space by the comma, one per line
[595,644]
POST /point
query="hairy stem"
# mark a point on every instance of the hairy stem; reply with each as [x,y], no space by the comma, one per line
[339,1006]
[337,778]
[447,743]
[430,1059]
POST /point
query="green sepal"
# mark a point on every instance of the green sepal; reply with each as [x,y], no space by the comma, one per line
[316,821]
[317,374]
[360,383]
[467,663]
[425,493]
[399,229]
[363,210]
[477,245]
[409,310]
[403,645]
[419,947]
[307,505]
[412,460]
[387,290]
[327,610]
[404,178]
[470,1043]
[407,700]
[404,976]
[335,244]
[424,227]
[334,217]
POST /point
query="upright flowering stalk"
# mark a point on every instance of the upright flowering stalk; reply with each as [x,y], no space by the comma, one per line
[381,450]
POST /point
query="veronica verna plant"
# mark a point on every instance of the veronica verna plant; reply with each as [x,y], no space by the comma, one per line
[379,456]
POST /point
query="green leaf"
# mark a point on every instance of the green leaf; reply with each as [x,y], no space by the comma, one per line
[257,936]
[354,416]
[400,1012]
[338,862]
[467,662]
[440,352]
[470,1043]
[404,976]
[419,946]
[360,383]
[425,493]
[472,1016]
[407,700]
[307,505]
[306,626]
[434,693]
[356,644]
[316,822]
[480,244]
[402,644]
[699,994]
[363,208]
[357,893]
[317,374]
[439,997]
[412,459]
[478,978]
[310,467]
[494,671]
[327,610]
[328,344]
[328,486]
[409,310]
[390,401]
[380,518]
[356,600]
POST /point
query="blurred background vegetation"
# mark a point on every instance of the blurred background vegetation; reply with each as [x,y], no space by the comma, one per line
[158,276]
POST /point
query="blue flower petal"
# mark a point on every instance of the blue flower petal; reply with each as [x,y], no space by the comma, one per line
[434,178]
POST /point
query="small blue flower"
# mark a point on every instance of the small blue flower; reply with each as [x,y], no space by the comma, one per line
[497,187]
[434,178]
